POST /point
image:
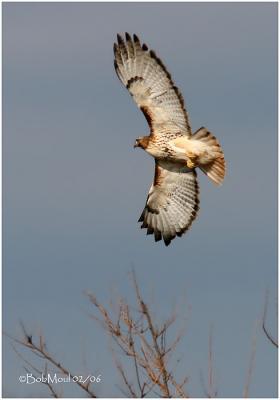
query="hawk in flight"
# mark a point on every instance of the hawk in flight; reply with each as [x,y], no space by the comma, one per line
[173,199]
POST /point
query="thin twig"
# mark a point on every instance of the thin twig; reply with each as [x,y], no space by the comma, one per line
[251,365]
[268,335]
[41,351]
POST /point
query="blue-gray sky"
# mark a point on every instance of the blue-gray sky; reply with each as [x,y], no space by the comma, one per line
[74,186]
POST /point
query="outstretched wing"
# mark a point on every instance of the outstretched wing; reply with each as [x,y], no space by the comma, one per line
[151,86]
[172,202]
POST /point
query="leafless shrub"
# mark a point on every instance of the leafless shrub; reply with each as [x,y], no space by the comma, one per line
[144,342]
[141,340]
[140,348]
[39,349]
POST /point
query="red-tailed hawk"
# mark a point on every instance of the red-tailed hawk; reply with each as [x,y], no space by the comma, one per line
[172,202]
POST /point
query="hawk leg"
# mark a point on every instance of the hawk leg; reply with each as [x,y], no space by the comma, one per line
[192,161]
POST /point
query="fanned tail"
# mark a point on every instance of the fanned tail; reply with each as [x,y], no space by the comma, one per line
[215,169]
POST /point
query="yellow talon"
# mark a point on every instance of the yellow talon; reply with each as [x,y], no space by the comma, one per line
[191,164]
[192,159]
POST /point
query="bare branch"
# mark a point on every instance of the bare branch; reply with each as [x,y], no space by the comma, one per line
[153,331]
[211,390]
[127,384]
[267,334]
[40,351]
[37,371]
[251,365]
[135,332]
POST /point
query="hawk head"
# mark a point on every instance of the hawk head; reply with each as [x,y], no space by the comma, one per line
[142,142]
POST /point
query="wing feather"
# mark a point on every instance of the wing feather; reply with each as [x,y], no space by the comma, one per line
[151,86]
[172,202]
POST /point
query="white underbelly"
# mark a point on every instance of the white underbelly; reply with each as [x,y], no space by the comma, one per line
[184,148]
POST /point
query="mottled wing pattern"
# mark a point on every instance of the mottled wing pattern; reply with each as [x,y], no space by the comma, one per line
[172,202]
[151,86]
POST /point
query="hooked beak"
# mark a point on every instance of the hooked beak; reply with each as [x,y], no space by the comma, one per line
[136,144]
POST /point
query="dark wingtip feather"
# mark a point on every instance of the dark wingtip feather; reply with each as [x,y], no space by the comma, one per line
[135,38]
[144,47]
[150,230]
[144,225]
[157,235]
[141,219]
[115,48]
[167,241]
[127,37]
[120,39]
